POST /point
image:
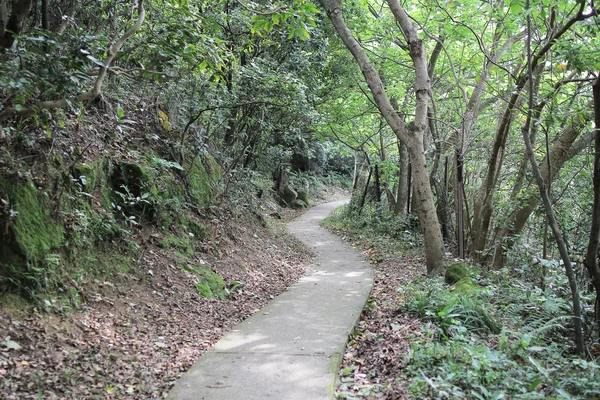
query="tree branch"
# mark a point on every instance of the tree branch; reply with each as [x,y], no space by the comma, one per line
[96,90]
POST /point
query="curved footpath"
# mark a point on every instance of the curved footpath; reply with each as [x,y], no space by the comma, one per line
[292,348]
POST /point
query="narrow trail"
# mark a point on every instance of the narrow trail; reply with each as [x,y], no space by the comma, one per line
[292,348]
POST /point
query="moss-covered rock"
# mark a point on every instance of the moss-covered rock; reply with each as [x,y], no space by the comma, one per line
[202,177]
[303,195]
[87,175]
[466,286]
[298,204]
[287,195]
[455,272]
[168,195]
[32,232]
[210,285]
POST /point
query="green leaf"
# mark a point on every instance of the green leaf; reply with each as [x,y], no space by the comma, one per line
[535,384]
[96,61]
[309,8]
[302,33]
[120,111]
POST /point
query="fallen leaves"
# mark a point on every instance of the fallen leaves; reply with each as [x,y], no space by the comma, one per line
[379,346]
[139,332]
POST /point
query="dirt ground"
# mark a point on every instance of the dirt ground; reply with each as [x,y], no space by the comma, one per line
[380,345]
[137,332]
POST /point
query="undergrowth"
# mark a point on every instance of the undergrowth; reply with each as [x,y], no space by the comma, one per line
[490,335]
[384,235]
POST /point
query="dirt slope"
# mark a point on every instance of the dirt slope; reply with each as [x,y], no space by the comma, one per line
[139,330]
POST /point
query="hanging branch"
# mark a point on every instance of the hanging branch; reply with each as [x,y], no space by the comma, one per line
[96,90]
[562,248]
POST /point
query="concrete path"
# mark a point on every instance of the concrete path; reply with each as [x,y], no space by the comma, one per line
[291,349]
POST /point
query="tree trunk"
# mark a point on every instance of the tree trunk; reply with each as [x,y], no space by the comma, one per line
[591,257]
[15,23]
[3,16]
[365,191]
[577,322]
[45,23]
[460,229]
[377,184]
[565,148]
[403,177]
[412,136]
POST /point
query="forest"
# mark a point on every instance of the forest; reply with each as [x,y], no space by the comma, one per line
[147,146]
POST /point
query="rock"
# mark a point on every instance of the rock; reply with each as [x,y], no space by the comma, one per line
[298,204]
[303,195]
[288,195]
[466,286]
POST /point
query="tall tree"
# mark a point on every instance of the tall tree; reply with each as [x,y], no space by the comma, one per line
[412,134]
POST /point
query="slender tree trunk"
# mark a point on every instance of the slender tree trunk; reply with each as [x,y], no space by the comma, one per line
[577,321]
[403,178]
[409,189]
[412,135]
[3,16]
[460,229]
[363,198]
[591,257]
[377,184]
[45,23]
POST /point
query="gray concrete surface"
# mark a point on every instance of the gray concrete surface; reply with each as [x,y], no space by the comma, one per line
[291,349]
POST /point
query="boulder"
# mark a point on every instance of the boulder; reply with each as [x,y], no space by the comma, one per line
[298,204]
[303,195]
[287,195]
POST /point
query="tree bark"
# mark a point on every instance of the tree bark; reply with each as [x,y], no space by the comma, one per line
[3,16]
[15,22]
[402,192]
[565,148]
[591,257]
[562,248]
[44,7]
[377,184]
[365,191]
[413,136]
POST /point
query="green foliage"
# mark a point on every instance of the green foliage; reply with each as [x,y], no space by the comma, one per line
[467,353]
[454,312]
[32,231]
[181,243]
[209,285]
[458,271]
[203,176]
[377,227]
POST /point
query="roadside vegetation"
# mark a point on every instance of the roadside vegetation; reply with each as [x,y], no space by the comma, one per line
[474,333]
[145,143]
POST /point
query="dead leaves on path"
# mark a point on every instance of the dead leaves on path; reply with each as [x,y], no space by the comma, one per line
[379,347]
